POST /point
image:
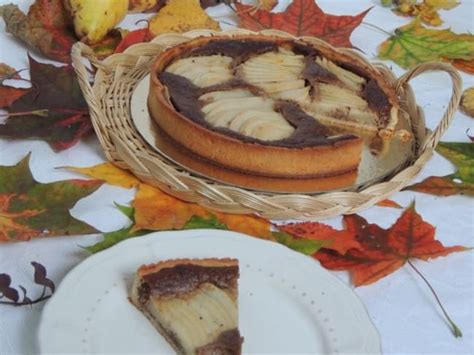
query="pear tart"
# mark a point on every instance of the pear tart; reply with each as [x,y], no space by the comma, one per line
[192,303]
[269,106]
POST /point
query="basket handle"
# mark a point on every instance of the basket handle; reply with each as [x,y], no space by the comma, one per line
[78,52]
[402,84]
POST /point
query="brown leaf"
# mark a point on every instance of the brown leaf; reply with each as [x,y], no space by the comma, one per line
[302,18]
[45,28]
[471,138]
[40,276]
[63,121]
[442,186]
[5,289]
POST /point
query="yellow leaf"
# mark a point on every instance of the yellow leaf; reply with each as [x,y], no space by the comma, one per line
[157,210]
[258,227]
[109,173]
[181,16]
[467,102]
[426,10]
[267,5]
[442,4]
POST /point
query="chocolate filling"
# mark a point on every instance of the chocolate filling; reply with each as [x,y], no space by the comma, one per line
[240,50]
[182,279]
[228,343]
[376,98]
[314,73]
[308,131]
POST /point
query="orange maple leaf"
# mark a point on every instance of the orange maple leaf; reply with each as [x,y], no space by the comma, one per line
[9,95]
[385,250]
[156,210]
[340,241]
[302,18]
[388,203]
[464,65]
[11,229]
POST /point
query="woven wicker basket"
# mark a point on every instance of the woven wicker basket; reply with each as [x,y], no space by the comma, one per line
[109,103]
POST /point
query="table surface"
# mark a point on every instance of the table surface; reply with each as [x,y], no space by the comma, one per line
[401,307]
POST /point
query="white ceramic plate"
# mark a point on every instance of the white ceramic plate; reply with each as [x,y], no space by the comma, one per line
[287,302]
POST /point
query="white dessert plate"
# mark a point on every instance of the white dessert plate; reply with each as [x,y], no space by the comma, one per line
[288,304]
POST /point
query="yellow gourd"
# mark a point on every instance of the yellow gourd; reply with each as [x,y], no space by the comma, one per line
[93,19]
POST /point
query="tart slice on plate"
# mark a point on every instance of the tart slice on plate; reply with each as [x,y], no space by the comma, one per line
[192,303]
[268,106]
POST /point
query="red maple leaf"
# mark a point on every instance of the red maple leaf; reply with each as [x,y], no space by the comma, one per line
[340,241]
[134,37]
[384,251]
[302,18]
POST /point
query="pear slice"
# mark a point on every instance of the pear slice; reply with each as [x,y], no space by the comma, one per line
[244,103]
[225,94]
[300,95]
[203,71]
[269,126]
[351,80]
[281,86]
[335,94]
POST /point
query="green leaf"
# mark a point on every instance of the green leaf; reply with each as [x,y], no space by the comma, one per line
[461,182]
[30,209]
[16,178]
[461,155]
[413,44]
[196,222]
[112,238]
[126,210]
[305,246]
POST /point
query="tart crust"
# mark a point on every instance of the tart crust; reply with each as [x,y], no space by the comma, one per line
[253,158]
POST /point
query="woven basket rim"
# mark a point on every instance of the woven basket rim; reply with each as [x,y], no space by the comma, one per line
[117,76]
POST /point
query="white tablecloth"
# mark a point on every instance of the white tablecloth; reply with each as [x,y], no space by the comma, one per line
[403,310]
